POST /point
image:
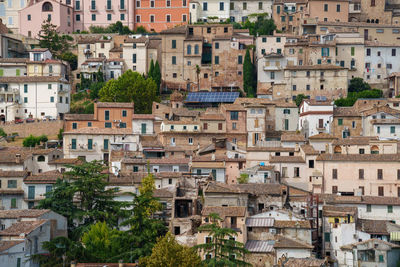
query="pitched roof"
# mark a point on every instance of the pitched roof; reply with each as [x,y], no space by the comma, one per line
[309,150]
[260,189]
[94,130]
[115,105]
[65,161]
[212,117]
[15,214]
[291,137]
[345,112]
[13,173]
[358,200]
[25,79]
[377,227]
[260,246]
[169,161]
[355,140]
[322,136]
[314,67]
[286,159]
[271,149]
[175,30]
[292,224]
[143,117]
[23,227]
[224,211]
[163,193]
[79,117]
[259,222]
[4,244]
[332,211]
[214,187]
[286,242]
[49,177]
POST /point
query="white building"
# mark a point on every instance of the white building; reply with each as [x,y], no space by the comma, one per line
[240,10]
[209,11]
[315,116]
[381,60]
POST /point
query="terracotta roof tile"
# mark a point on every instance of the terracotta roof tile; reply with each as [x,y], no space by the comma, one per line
[39,79]
[332,211]
[355,140]
[359,157]
[271,149]
[212,117]
[93,130]
[322,136]
[304,262]
[65,161]
[286,242]
[13,173]
[292,224]
[345,112]
[377,227]
[79,117]
[23,227]
[309,150]
[49,177]
[4,245]
[291,137]
[16,214]
[143,117]
[286,159]
[374,240]
[115,105]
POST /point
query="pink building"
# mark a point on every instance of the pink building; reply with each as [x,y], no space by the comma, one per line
[102,13]
[32,17]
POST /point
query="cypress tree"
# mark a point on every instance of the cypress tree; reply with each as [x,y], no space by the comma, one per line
[157,75]
[151,70]
[248,83]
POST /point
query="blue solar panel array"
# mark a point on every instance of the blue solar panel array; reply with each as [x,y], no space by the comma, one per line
[212,97]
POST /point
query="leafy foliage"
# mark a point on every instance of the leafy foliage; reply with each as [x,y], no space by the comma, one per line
[131,87]
[60,134]
[353,96]
[357,85]
[249,83]
[223,245]
[262,26]
[32,141]
[117,27]
[167,252]
[2,132]
[155,74]
[243,178]
[300,98]
[71,58]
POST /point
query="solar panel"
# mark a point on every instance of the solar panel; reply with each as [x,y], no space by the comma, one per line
[212,97]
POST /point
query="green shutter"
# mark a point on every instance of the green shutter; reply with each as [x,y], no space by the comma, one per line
[106,144]
[90,143]
[73,144]
[352,51]
[18,72]
[1,72]
[13,203]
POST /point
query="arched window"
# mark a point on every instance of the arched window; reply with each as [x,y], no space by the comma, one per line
[374,150]
[368,21]
[189,49]
[41,158]
[338,150]
[196,49]
[47,6]
[372,21]
[377,21]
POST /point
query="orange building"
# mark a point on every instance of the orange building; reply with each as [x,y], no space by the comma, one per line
[106,115]
[158,15]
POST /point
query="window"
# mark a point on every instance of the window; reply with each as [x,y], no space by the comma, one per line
[93,17]
[219,126]
[398,174]
[25,88]
[326,7]
[380,174]
[107,125]
[52,99]
[216,45]
[278,39]
[393,52]
[122,16]
[294,87]
[392,129]
[325,51]
[205,5]
[106,115]
[196,49]
[381,192]
[368,207]
[361,174]
[137,18]
[173,44]
[221,6]
[105,144]
[184,18]
[109,17]
[25,100]
[216,60]
[244,6]
[278,9]
[283,18]
[337,8]
[89,124]
[152,3]
[361,151]
[13,203]
[340,122]
[74,125]
[12,184]
[73,144]
[311,163]
[168,18]
[272,75]
[334,174]
[90,144]
[234,115]
[327,237]
[173,60]
[390,209]
[296,172]
[279,51]
[190,141]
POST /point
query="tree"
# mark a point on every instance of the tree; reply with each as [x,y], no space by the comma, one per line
[262,26]
[49,38]
[100,243]
[151,69]
[198,77]
[223,248]
[300,98]
[357,85]
[243,178]
[353,96]
[157,75]
[31,141]
[248,78]
[2,132]
[71,58]
[60,134]
[167,253]
[131,87]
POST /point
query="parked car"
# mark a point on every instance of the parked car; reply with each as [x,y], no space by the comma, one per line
[17,121]
[30,120]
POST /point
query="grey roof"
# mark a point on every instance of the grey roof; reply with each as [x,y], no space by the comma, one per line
[260,222]
[260,246]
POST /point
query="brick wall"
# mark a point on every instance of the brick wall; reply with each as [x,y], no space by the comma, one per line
[49,128]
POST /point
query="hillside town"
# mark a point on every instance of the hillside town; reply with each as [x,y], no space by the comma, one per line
[200,133]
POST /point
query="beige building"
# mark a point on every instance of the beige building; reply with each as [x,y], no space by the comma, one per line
[334,10]
[204,57]
[314,80]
